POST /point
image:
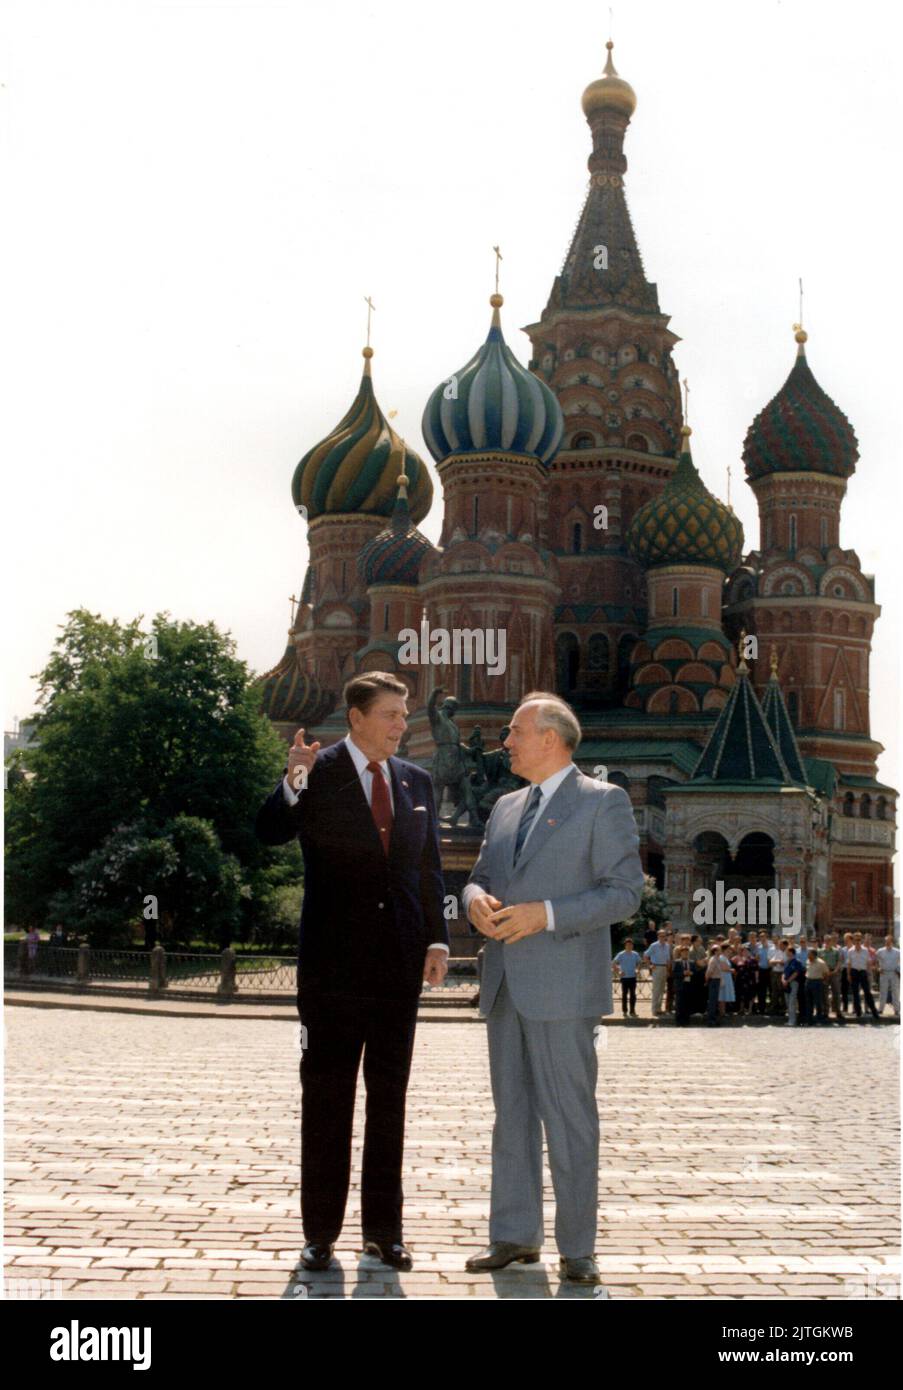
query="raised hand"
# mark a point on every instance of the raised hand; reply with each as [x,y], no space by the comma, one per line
[301,758]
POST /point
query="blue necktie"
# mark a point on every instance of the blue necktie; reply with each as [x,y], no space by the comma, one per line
[526,819]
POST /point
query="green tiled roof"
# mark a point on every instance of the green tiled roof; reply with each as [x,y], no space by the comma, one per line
[741,747]
[682,753]
[775,711]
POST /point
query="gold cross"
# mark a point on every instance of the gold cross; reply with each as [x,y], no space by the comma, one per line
[686,401]
[292,600]
[498,257]
[370,307]
[728,485]
[801,301]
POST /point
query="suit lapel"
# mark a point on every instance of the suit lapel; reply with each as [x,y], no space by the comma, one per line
[403,805]
[550,818]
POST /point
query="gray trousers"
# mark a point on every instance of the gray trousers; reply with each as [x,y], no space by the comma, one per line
[543,1076]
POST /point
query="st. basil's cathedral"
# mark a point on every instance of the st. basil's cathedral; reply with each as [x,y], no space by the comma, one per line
[756,772]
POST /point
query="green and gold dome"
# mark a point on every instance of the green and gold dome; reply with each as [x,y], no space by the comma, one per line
[800,430]
[289,694]
[685,524]
[356,467]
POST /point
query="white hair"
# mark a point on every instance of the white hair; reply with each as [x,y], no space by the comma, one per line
[554,713]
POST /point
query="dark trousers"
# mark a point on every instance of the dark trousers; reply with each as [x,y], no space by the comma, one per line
[860,981]
[844,991]
[814,995]
[714,988]
[628,995]
[683,996]
[805,1003]
[339,1029]
[762,989]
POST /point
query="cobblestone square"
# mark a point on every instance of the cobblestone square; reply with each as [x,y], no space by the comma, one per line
[156,1157]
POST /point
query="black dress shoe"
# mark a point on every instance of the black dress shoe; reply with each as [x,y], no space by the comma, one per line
[579,1271]
[395,1254]
[500,1253]
[316,1256]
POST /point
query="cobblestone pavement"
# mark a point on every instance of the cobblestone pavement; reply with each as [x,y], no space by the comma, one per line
[156,1157]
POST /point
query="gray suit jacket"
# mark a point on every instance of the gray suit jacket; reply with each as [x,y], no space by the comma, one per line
[583,855]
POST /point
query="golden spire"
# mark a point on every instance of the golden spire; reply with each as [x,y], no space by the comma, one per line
[609,91]
[774,662]
[496,300]
[799,331]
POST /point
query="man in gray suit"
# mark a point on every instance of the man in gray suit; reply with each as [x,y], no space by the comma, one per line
[559,863]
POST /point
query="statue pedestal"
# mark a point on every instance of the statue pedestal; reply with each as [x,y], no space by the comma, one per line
[459,847]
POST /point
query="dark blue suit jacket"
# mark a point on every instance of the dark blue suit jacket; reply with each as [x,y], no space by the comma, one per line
[367,918]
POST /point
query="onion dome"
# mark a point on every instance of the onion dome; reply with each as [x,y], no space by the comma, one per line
[800,430]
[609,92]
[685,524]
[293,695]
[493,405]
[394,555]
[355,467]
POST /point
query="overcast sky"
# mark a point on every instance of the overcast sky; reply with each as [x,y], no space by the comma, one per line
[199,195]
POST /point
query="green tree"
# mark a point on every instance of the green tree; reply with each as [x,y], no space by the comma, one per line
[137,730]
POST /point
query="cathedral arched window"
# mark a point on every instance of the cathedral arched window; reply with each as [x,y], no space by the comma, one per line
[385,617]
[839,721]
[476,515]
[597,653]
[582,441]
[793,533]
[675,602]
[823,532]
[865,808]
[638,442]
[848,804]
[577,537]
[881,809]
[567,662]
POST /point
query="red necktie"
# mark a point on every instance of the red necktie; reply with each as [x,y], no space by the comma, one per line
[380,805]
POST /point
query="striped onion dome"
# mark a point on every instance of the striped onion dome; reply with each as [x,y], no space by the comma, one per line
[293,695]
[800,430]
[493,405]
[355,467]
[394,555]
[685,524]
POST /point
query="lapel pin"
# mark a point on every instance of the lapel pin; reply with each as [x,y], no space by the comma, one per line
[404,784]
[551,821]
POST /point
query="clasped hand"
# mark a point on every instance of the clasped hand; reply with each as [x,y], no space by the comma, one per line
[507,924]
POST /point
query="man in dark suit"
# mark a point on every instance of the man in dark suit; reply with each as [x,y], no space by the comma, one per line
[372,931]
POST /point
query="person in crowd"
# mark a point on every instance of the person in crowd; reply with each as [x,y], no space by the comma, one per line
[830,954]
[801,946]
[777,961]
[32,938]
[627,962]
[759,949]
[713,978]
[697,957]
[727,994]
[669,982]
[658,958]
[889,975]
[794,974]
[745,980]
[814,989]
[682,971]
[858,975]
[649,934]
[845,989]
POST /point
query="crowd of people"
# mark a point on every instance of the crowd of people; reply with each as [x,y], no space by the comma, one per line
[804,981]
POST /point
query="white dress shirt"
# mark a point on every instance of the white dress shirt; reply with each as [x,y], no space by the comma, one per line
[360,760]
[548,789]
